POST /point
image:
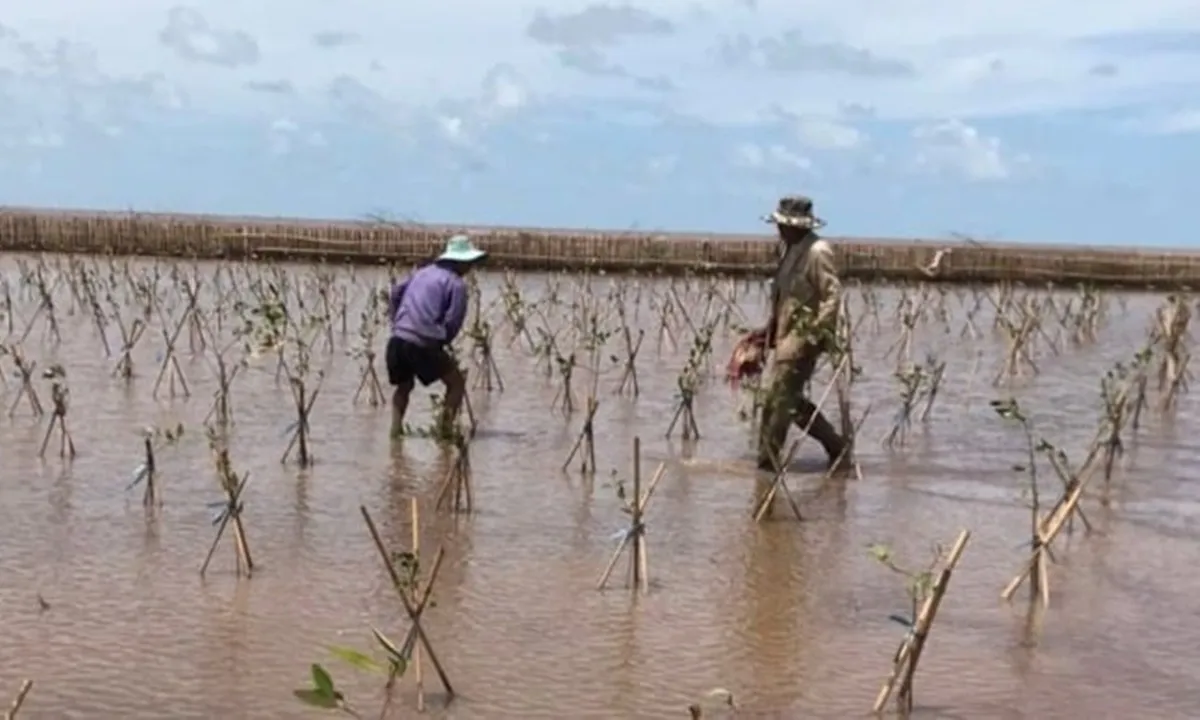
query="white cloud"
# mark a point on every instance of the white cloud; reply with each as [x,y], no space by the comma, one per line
[770,158]
[952,146]
[662,165]
[828,134]
[909,59]
[1182,122]
[286,135]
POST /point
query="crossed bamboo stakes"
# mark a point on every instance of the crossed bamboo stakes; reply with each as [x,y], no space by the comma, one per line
[415,600]
[908,655]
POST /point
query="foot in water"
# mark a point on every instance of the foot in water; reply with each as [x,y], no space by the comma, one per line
[841,462]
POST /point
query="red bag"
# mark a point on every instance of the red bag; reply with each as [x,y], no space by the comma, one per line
[747,359]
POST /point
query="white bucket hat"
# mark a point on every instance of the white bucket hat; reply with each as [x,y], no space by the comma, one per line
[460,249]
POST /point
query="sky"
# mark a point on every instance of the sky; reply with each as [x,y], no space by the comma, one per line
[1015,120]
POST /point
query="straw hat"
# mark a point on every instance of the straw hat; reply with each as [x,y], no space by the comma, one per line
[795,211]
[460,249]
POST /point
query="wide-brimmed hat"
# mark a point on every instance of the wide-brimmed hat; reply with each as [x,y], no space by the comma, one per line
[460,249]
[795,211]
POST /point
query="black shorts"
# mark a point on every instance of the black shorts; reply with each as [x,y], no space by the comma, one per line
[406,361]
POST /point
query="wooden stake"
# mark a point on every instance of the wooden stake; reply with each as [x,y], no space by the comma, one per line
[909,654]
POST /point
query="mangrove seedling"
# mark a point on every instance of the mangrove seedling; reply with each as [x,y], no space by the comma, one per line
[480,335]
[911,380]
[147,472]
[586,441]
[170,368]
[908,655]
[27,390]
[59,396]
[629,367]
[634,537]
[297,375]
[1010,410]
[689,381]
[229,510]
[368,378]
[129,338]
[566,369]
[403,569]
[457,483]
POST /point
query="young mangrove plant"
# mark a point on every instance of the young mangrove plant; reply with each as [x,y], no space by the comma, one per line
[689,381]
[480,334]
[59,401]
[228,510]
[926,591]
[368,378]
[634,537]
[404,570]
[629,377]
[129,338]
[147,471]
[1169,338]
[456,486]
[170,368]
[1010,410]
[25,369]
[1044,529]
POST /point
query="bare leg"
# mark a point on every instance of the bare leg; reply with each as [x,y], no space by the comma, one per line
[400,407]
[456,388]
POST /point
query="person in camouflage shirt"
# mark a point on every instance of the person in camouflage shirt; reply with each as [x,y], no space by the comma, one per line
[806,298]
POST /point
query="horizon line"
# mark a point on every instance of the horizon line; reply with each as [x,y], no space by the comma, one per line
[377,220]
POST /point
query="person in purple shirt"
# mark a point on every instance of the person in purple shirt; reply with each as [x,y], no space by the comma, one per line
[427,311]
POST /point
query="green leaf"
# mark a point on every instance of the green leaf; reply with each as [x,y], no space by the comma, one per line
[389,647]
[322,682]
[880,552]
[398,667]
[314,698]
[359,660]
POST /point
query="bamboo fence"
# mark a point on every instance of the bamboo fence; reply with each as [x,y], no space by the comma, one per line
[866,259]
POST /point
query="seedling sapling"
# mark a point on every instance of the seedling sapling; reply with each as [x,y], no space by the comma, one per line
[59,400]
[400,567]
[170,368]
[457,483]
[230,509]
[27,390]
[147,472]
[908,655]
[635,535]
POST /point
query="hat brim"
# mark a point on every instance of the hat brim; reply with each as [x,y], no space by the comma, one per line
[468,256]
[803,221]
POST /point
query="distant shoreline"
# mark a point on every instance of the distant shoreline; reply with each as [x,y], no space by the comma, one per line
[26,229]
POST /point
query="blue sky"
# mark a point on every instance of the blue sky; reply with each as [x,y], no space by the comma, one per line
[1002,119]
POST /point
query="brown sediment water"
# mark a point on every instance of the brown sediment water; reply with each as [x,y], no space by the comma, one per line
[792,618]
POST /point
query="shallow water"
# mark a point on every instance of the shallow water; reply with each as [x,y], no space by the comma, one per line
[791,617]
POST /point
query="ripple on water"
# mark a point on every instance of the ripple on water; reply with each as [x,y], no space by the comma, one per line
[793,618]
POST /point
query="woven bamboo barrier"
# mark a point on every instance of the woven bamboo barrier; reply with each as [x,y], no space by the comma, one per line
[867,259]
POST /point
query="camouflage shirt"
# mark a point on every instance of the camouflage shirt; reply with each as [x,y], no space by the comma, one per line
[807,288]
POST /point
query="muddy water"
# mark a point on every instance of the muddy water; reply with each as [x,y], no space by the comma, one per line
[791,617]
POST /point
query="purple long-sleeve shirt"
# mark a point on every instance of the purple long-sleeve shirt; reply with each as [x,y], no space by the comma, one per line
[429,307]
